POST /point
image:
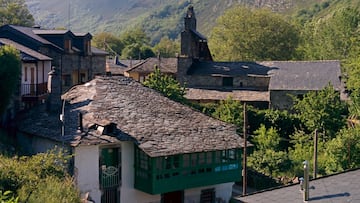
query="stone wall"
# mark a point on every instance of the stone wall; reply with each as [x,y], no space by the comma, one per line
[246,82]
[183,65]
[281,99]
[81,69]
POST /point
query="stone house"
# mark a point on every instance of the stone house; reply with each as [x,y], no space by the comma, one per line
[33,82]
[131,144]
[71,52]
[42,50]
[265,84]
[141,70]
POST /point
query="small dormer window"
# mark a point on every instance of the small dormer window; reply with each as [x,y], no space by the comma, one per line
[67,45]
[228,81]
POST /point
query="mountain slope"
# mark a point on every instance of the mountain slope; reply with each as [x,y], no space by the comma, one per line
[157,17]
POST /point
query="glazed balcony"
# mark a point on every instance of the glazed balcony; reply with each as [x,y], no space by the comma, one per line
[179,172]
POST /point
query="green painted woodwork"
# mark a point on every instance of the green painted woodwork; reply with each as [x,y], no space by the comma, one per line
[109,168]
[179,172]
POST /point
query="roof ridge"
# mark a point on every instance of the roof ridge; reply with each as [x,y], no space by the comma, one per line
[138,64]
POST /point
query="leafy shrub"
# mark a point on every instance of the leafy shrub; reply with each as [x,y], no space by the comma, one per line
[8,197]
[40,177]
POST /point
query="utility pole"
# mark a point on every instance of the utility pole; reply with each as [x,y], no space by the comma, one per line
[244,171]
[315,152]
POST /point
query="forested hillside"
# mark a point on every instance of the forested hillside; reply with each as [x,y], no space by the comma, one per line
[157,17]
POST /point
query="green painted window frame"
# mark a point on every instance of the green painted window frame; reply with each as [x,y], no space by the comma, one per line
[185,169]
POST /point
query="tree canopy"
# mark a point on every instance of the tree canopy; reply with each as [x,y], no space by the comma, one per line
[15,12]
[108,42]
[136,45]
[253,34]
[230,111]
[333,37]
[267,158]
[322,110]
[166,85]
[9,74]
[167,48]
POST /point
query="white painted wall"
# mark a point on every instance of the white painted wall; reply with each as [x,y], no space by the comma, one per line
[87,176]
[128,193]
[87,170]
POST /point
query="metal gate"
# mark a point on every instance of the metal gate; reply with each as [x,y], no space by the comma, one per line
[110,175]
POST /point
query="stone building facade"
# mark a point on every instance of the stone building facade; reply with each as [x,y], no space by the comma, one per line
[71,52]
[41,51]
[267,83]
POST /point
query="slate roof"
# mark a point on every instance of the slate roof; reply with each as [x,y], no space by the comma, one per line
[27,53]
[82,34]
[40,122]
[231,69]
[159,125]
[338,188]
[303,75]
[97,51]
[166,65]
[222,94]
[130,62]
[284,75]
[60,32]
[29,31]
[115,67]
[51,32]
[198,35]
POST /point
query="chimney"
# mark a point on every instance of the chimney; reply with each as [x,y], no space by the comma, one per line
[187,39]
[190,19]
[54,90]
[306,181]
[116,60]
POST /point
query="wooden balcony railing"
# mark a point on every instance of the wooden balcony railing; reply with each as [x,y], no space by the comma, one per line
[31,90]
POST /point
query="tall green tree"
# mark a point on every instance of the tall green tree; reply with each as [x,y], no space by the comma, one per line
[302,149]
[167,48]
[15,12]
[284,122]
[322,110]
[136,45]
[166,85]
[253,34]
[230,111]
[108,42]
[342,152]
[334,37]
[9,74]
[267,158]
